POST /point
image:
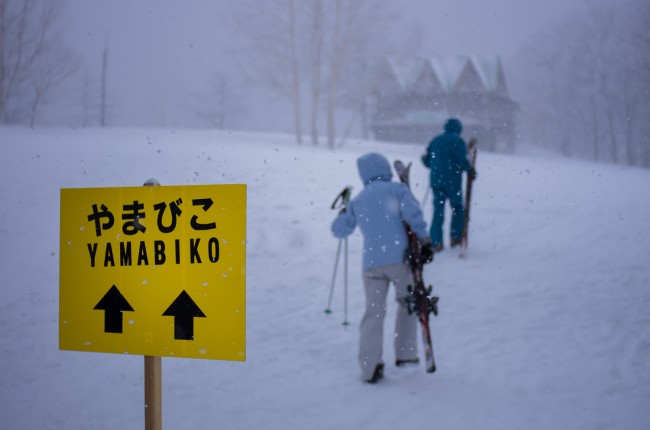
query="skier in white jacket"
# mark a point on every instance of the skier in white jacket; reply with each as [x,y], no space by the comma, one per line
[380,211]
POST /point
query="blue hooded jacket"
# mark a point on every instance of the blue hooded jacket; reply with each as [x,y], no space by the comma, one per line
[446,156]
[379,210]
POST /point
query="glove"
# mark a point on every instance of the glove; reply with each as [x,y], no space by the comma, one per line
[426,250]
[471,174]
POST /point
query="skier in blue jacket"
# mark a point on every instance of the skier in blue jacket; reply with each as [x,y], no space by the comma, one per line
[446,157]
[379,211]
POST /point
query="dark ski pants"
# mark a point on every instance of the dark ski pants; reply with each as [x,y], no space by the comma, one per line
[376,283]
[455,197]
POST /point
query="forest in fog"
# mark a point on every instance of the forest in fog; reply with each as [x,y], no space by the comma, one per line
[581,83]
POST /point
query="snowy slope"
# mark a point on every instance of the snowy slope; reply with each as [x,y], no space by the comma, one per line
[545,326]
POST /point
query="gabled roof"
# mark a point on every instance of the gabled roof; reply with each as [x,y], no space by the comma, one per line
[448,70]
[490,72]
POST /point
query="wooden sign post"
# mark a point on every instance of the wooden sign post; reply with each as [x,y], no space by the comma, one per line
[152,393]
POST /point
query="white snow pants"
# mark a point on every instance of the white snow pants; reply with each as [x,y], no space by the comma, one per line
[376,282]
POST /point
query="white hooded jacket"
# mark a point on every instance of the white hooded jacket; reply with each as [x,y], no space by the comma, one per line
[380,210]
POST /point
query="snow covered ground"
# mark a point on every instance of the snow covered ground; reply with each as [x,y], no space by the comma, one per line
[544,326]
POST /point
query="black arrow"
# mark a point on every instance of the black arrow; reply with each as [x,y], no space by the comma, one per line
[184,310]
[113,303]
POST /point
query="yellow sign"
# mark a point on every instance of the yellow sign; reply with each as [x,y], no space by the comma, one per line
[157,271]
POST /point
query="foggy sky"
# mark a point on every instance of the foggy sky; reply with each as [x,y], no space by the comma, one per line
[160,49]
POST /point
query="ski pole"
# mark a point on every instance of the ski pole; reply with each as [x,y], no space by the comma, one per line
[328,310]
[339,203]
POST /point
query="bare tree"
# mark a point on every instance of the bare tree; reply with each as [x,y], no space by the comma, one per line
[635,73]
[642,36]
[47,75]
[270,53]
[316,17]
[357,34]
[315,43]
[33,58]
[343,35]
[589,77]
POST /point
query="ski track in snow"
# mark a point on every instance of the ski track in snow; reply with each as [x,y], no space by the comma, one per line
[545,325]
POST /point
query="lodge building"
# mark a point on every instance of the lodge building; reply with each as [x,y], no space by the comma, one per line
[411,101]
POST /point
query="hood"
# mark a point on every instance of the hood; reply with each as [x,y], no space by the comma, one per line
[373,166]
[453,125]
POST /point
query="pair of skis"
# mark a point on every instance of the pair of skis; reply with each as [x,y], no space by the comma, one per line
[420,302]
[471,151]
